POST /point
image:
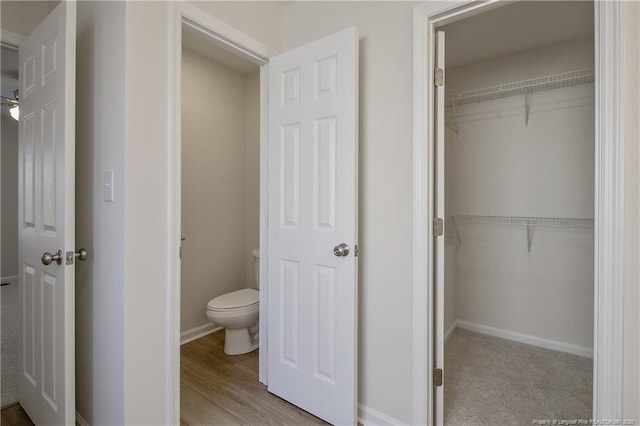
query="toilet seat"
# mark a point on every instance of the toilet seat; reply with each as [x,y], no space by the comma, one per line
[239,300]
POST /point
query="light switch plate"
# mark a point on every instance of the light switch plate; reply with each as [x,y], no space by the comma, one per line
[107,185]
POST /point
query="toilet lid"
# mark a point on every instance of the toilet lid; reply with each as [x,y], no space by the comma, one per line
[235,299]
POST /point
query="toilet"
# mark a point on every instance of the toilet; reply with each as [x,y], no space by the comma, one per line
[237,312]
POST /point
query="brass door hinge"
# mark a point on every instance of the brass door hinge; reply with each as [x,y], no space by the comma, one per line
[438,77]
[437,377]
[438,227]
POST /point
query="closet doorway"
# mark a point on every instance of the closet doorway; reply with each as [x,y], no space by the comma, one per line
[515,187]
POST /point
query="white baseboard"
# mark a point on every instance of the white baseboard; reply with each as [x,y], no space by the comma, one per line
[525,338]
[9,404]
[450,330]
[80,421]
[367,416]
[198,332]
[11,279]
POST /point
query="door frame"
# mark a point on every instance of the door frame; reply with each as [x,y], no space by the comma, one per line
[608,205]
[240,44]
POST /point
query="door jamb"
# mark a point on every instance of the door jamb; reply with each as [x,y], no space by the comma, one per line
[239,43]
[608,204]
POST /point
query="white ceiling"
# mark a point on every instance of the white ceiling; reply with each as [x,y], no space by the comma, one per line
[22,17]
[516,27]
[199,43]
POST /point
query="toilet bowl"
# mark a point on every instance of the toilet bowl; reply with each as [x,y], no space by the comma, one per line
[238,312]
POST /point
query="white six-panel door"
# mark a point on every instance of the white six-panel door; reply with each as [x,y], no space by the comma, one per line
[46,383]
[313,207]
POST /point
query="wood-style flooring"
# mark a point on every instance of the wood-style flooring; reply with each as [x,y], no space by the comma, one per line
[215,389]
[218,389]
[14,415]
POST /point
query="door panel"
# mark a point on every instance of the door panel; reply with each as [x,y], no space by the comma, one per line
[312,293]
[46,189]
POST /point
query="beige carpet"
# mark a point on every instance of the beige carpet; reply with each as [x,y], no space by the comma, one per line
[490,381]
[10,324]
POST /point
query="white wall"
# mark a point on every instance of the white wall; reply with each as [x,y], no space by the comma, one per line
[146,217]
[9,197]
[503,167]
[252,172]
[498,166]
[385,339]
[261,20]
[630,13]
[450,261]
[569,55]
[216,210]
[100,141]
[9,169]
[450,314]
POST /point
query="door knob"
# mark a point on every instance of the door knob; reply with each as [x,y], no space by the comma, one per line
[82,254]
[341,250]
[48,258]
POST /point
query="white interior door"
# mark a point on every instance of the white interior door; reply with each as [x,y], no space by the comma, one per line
[438,242]
[313,208]
[46,383]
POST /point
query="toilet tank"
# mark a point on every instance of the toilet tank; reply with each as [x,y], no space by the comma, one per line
[256,266]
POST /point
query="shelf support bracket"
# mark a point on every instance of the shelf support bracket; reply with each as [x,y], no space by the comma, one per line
[527,107]
[455,228]
[529,236]
[455,117]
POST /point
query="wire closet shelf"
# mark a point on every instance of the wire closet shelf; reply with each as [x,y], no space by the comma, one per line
[524,87]
[529,222]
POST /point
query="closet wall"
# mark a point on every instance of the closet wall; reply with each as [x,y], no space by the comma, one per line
[252,172]
[9,168]
[499,166]
[220,182]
